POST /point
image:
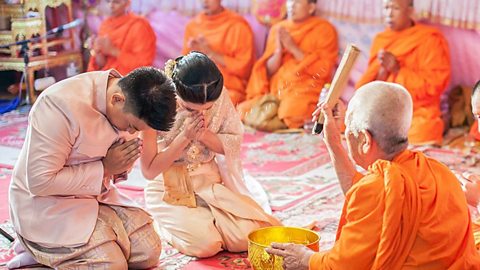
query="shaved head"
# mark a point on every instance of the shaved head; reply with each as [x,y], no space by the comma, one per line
[385,111]
[476,101]
[398,14]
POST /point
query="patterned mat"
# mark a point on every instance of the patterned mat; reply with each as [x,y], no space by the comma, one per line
[294,169]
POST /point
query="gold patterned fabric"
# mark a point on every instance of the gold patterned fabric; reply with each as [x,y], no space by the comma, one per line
[123,238]
[225,212]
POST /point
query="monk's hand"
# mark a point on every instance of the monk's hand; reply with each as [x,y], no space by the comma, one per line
[201,44]
[286,40]
[388,61]
[295,257]
[121,156]
[107,47]
[331,131]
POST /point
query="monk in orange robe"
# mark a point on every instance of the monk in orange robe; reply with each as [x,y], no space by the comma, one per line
[299,57]
[472,188]
[227,39]
[407,212]
[474,130]
[125,41]
[417,57]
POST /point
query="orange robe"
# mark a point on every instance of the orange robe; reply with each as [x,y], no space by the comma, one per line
[409,213]
[424,70]
[297,84]
[230,35]
[135,39]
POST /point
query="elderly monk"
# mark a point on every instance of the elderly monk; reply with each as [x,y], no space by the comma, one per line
[298,60]
[472,188]
[64,204]
[475,130]
[125,41]
[227,39]
[407,212]
[417,57]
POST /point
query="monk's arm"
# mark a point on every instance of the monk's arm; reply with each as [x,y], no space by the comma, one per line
[344,167]
[186,39]
[138,49]
[51,142]
[274,63]
[241,61]
[430,80]
[96,62]
[359,237]
[321,56]
[153,161]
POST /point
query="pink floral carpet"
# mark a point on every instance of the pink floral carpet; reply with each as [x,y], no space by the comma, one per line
[294,169]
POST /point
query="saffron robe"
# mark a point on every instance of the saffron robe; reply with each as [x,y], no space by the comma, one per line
[230,35]
[135,39]
[424,60]
[297,84]
[409,213]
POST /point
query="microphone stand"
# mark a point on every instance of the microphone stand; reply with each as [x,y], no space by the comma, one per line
[25,49]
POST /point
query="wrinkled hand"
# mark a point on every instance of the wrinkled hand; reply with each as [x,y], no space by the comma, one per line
[193,126]
[472,190]
[295,257]
[388,61]
[286,39]
[121,156]
[333,122]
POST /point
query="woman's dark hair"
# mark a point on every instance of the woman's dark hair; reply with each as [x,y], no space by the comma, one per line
[150,96]
[197,79]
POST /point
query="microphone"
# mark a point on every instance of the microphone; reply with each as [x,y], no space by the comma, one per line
[61,28]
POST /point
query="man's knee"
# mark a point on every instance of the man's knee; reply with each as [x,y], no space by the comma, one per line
[106,256]
[146,248]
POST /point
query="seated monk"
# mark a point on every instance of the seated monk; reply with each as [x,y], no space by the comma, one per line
[125,41]
[227,39]
[472,188]
[64,203]
[407,212]
[198,195]
[417,57]
[474,131]
[299,57]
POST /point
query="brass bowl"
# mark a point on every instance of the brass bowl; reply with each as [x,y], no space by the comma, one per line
[260,239]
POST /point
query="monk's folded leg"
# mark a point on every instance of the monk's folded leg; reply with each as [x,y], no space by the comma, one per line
[190,230]
[425,118]
[236,96]
[145,243]
[296,109]
[246,106]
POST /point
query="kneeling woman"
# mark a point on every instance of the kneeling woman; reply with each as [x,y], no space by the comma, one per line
[198,195]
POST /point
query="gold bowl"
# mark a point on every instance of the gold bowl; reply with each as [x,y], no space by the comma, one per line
[262,238]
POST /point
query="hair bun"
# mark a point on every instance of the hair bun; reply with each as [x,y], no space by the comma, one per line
[170,67]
